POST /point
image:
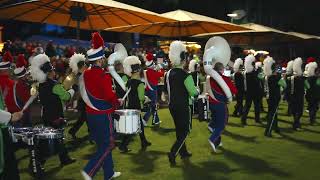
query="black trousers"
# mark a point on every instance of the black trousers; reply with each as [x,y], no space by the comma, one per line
[238,108]
[313,106]
[81,120]
[272,118]
[257,105]
[127,137]
[182,121]
[10,170]
[297,105]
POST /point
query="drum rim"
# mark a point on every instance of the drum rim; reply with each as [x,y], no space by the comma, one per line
[127,112]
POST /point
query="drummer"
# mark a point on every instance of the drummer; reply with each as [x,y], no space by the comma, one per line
[132,67]
[52,95]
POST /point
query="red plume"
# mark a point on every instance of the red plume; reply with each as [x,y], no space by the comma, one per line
[311,59]
[7,57]
[149,56]
[21,61]
[97,41]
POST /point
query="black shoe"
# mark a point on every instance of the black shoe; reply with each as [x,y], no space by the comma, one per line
[185,155]
[124,149]
[172,159]
[244,123]
[267,135]
[145,144]
[67,161]
[277,130]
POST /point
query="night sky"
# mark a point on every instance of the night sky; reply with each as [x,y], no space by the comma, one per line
[288,15]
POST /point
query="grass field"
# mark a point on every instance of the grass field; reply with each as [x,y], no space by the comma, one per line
[246,153]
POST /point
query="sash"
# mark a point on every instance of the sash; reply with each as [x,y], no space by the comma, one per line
[146,80]
[266,87]
[209,90]
[17,101]
[84,95]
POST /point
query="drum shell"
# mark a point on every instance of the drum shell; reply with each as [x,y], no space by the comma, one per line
[48,144]
[129,121]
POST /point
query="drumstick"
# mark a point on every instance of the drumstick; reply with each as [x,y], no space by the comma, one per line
[127,93]
[29,102]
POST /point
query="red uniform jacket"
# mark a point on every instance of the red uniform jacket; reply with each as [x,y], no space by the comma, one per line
[153,77]
[99,85]
[22,92]
[215,87]
[6,85]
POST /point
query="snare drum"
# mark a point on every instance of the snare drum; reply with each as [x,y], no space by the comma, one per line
[129,121]
[49,141]
[203,108]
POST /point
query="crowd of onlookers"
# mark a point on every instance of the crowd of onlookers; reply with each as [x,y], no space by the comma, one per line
[60,55]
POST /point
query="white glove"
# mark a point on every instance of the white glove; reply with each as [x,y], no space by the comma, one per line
[230,99]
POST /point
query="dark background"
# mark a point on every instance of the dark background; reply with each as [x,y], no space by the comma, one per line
[287,15]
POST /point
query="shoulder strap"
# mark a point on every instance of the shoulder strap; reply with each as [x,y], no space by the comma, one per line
[168,84]
[245,81]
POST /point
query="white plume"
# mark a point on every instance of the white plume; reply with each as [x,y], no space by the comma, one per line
[258,65]
[297,66]
[192,65]
[267,66]
[237,63]
[176,47]
[128,61]
[74,60]
[310,71]
[289,69]
[35,71]
[248,63]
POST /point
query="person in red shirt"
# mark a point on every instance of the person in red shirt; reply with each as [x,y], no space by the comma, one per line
[218,106]
[152,77]
[6,83]
[96,91]
[21,89]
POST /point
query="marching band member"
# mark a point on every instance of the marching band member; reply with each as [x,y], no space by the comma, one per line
[152,77]
[8,165]
[78,66]
[289,73]
[298,85]
[258,66]
[6,83]
[273,84]
[251,84]
[132,67]
[52,96]
[219,87]
[238,79]
[218,105]
[96,91]
[180,87]
[312,95]
[119,68]
[21,89]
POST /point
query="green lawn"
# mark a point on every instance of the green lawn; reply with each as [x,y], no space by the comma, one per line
[246,153]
